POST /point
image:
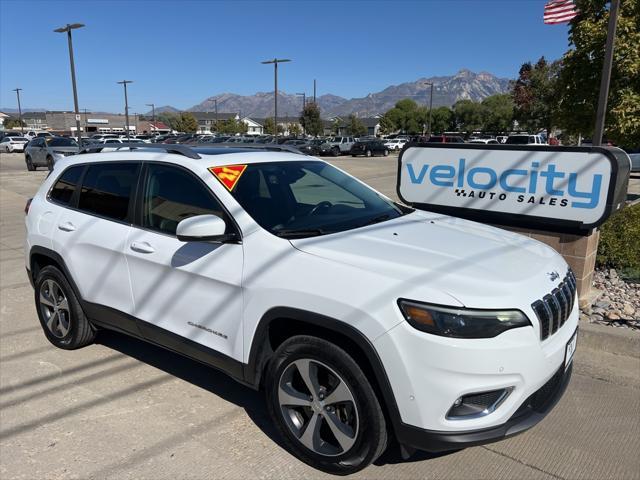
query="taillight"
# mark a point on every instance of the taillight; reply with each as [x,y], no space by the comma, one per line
[26,207]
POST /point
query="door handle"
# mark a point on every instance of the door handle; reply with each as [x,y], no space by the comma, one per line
[142,247]
[67,227]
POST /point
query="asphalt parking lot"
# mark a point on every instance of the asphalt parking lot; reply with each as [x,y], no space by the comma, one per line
[123,409]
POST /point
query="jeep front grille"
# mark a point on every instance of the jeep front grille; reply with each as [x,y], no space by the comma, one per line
[554,308]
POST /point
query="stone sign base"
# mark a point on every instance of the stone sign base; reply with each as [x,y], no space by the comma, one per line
[578,251]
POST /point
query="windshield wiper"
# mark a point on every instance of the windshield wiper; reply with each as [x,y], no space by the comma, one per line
[292,233]
[378,219]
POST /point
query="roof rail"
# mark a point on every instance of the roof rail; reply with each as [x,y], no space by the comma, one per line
[255,146]
[168,147]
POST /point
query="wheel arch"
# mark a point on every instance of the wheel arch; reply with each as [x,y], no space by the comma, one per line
[280,323]
[40,257]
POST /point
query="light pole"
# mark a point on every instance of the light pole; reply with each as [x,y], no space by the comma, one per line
[314,90]
[430,105]
[304,104]
[67,30]
[215,104]
[275,62]
[153,114]
[126,105]
[17,90]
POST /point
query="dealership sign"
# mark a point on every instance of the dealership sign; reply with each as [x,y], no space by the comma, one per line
[550,188]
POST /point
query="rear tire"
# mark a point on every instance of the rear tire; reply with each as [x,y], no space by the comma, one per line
[386,152]
[49,162]
[64,323]
[335,151]
[367,153]
[338,399]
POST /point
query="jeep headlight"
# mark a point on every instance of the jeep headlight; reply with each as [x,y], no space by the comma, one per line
[461,322]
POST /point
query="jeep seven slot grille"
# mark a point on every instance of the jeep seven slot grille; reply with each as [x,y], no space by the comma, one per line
[554,308]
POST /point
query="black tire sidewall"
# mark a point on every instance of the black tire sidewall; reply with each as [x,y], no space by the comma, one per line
[50,163]
[371,423]
[72,339]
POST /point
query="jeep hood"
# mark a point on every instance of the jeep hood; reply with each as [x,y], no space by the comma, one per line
[479,265]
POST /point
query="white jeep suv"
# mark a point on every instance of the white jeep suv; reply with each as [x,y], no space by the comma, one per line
[362,319]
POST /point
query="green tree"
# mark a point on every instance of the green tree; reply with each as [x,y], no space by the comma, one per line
[355,127]
[442,120]
[13,123]
[535,95]
[310,119]
[335,125]
[468,115]
[231,126]
[582,67]
[168,118]
[294,129]
[269,126]
[186,122]
[498,113]
[405,116]
[387,124]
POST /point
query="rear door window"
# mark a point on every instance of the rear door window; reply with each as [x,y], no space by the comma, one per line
[107,189]
[63,190]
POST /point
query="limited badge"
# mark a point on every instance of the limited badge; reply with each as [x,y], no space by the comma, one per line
[228,175]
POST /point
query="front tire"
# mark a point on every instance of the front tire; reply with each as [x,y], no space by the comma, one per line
[50,162]
[335,151]
[324,407]
[30,166]
[386,152]
[64,323]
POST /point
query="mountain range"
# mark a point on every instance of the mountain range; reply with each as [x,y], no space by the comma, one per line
[446,91]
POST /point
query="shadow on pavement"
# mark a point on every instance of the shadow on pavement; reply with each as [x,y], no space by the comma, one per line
[200,375]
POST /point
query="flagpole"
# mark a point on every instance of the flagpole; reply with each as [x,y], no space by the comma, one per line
[606,73]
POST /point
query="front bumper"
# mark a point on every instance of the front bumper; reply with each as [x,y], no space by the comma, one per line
[532,411]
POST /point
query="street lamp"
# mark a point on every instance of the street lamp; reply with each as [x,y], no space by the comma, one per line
[126,106]
[153,114]
[17,90]
[275,62]
[67,30]
[430,105]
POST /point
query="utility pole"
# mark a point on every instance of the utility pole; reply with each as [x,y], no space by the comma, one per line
[275,62]
[430,105]
[17,90]
[126,107]
[86,122]
[304,104]
[314,90]
[606,73]
[67,29]
[153,114]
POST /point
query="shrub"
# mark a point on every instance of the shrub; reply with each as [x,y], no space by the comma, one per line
[620,241]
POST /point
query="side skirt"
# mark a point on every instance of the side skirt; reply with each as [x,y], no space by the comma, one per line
[111,319]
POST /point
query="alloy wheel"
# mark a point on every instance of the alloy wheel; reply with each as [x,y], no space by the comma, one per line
[55,308]
[318,407]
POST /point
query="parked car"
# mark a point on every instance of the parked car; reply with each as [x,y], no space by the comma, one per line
[362,319]
[317,147]
[369,148]
[395,144]
[339,145]
[525,139]
[13,144]
[9,133]
[485,141]
[445,139]
[45,152]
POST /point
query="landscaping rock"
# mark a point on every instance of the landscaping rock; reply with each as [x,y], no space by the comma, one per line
[619,304]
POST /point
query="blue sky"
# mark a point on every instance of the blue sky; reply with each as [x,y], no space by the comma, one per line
[180,52]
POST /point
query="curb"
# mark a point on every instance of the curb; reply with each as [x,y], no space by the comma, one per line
[619,341]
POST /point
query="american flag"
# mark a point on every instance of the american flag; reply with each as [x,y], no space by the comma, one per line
[559,11]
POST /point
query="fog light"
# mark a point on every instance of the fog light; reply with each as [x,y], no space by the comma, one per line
[475,405]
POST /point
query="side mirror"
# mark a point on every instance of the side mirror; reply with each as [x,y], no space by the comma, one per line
[204,228]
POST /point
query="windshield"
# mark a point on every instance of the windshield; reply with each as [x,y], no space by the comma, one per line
[62,142]
[308,198]
[518,140]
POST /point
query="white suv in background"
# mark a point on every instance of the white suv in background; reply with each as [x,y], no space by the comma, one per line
[362,319]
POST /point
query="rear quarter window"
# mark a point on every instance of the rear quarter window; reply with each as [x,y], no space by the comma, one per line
[64,188]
